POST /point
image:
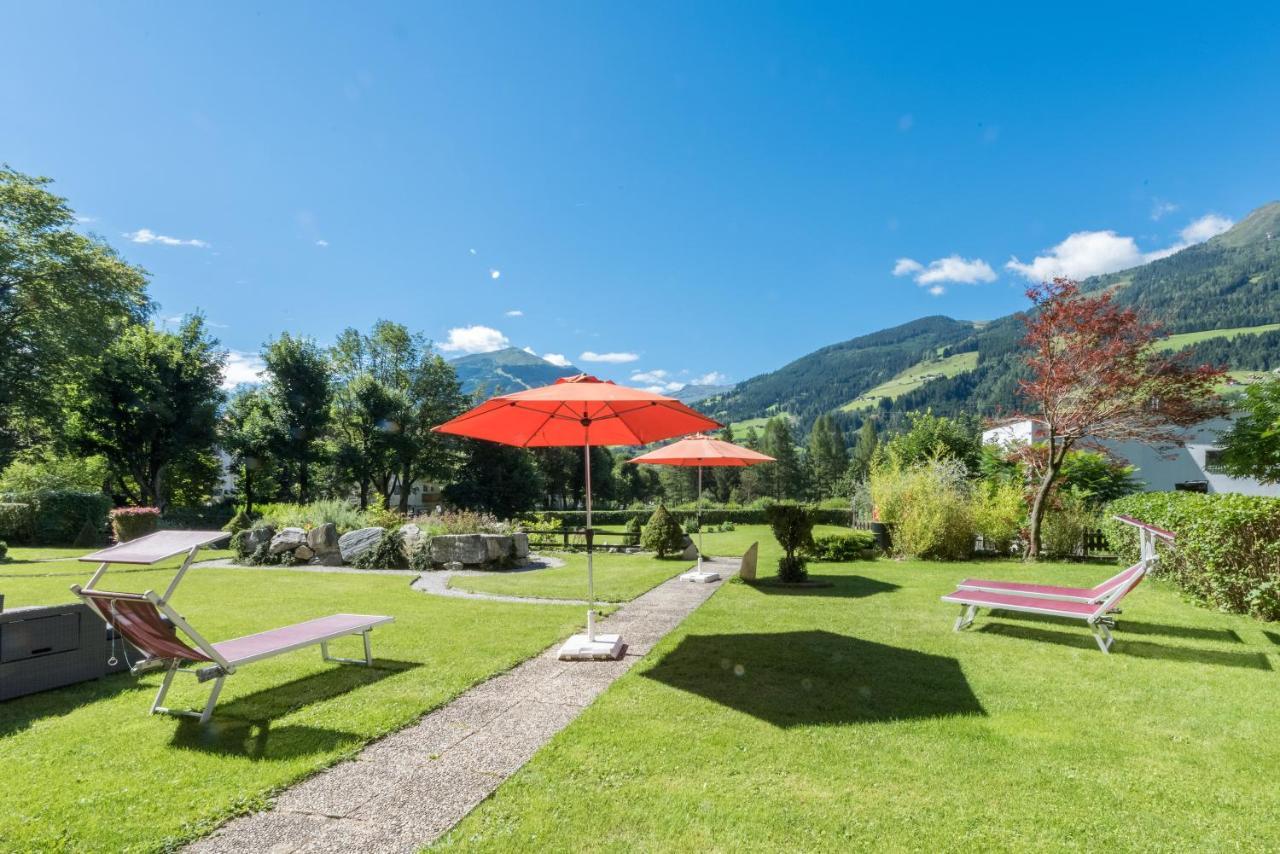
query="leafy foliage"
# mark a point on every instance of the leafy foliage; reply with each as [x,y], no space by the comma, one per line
[299,389]
[387,553]
[840,548]
[43,469]
[494,478]
[662,534]
[792,526]
[1227,549]
[129,523]
[932,436]
[999,512]
[1252,447]
[54,516]
[928,505]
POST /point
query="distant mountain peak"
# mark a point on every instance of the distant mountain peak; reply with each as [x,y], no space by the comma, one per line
[507,370]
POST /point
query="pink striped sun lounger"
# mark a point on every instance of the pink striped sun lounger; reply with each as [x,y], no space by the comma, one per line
[1094,605]
[148,622]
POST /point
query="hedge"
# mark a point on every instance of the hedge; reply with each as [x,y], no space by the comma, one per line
[843,547]
[57,516]
[710,516]
[1227,552]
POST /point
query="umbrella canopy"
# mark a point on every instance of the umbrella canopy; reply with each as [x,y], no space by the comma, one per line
[702,450]
[579,410]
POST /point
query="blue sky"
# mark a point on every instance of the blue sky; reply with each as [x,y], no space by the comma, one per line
[712,189]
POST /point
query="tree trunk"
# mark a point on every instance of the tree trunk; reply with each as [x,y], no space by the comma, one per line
[303,471]
[1041,502]
[406,483]
[248,491]
[157,488]
[364,494]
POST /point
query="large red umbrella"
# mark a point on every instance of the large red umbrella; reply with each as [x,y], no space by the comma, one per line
[701,450]
[586,411]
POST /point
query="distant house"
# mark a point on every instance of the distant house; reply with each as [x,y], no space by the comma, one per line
[1194,467]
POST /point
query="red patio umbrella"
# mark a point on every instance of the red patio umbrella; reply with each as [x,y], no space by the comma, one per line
[701,450]
[580,410]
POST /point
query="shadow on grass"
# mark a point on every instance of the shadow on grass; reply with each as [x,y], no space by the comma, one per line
[805,678]
[1126,626]
[21,712]
[835,586]
[1135,648]
[244,726]
[1272,636]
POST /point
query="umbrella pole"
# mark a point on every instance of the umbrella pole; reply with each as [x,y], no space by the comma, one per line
[591,589]
[699,515]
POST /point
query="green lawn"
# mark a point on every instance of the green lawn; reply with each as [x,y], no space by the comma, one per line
[1186,339]
[86,769]
[618,578]
[914,377]
[44,560]
[26,553]
[853,718]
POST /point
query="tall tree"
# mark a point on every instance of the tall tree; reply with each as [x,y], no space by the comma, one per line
[63,298]
[249,431]
[786,476]
[725,479]
[864,450]
[300,390]
[1095,375]
[753,482]
[366,434]
[1251,448]
[150,404]
[827,456]
[495,478]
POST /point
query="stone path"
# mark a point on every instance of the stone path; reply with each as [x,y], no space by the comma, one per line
[408,789]
[436,583]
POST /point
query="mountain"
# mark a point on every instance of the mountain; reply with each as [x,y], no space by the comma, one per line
[692,394]
[1222,297]
[505,371]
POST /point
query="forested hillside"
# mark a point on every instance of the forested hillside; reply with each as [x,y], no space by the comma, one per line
[1231,282]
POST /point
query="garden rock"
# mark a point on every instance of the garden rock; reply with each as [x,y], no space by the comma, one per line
[520,541]
[459,548]
[287,540]
[255,538]
[355,543]
[410,536]
[303,553]
[323,539]
[497,547]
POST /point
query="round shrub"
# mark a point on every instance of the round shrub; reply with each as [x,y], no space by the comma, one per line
[662,534]
[841,548]
[129,523]
[793,528]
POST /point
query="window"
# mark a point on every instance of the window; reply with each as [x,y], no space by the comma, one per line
[1213,461]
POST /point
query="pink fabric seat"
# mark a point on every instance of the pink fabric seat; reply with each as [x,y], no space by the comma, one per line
[1049,591]
[1015,602]
[275,641]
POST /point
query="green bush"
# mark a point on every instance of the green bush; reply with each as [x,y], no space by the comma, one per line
[1227,552]
[242,521]
[4,550]
[753,515]
[129,523]
[89,537]
[635,525]
[342,514]
[208,517]
[55,516]
[841,548]
[691,525]
[420,557]
[999,513]
[662,534]
[15,521]
[928,505]
[1065,524]
[793,529]
[387,554]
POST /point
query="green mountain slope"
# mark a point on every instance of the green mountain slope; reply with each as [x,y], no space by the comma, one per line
[1221,298]
[504,371]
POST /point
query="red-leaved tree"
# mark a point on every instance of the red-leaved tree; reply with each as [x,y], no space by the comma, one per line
[1095,374]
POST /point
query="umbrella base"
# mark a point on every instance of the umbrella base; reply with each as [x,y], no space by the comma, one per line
[701,576]
[603,648]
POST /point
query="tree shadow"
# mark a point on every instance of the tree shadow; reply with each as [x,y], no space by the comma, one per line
[244,726]
[1134,648]
[805,678]
[21,712]
[835,586]
[1125,626]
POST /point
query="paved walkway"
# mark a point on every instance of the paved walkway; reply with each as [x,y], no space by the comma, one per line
[408,789]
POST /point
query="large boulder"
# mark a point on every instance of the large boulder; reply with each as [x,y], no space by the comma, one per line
[303,553]
[355,543]
[459,548]
[287,540]
[521,542]
[253,538]
[411,536]
[497,547]
[323,539]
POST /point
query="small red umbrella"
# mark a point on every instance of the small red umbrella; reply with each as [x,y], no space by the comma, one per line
[701,450]
[580,410]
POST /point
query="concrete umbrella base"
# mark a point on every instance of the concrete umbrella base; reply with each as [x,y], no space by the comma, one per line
[603,648]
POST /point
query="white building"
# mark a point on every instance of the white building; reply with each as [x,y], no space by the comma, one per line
[1193,467]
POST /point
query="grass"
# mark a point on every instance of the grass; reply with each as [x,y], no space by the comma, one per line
[1186,339]
[54,561]
[87,769]
[914,377]
[853,718]
[20,554]
[618,578]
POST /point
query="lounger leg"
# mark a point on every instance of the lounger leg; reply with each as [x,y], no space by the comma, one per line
[967,613]
[368,650]
[156,706]
[1102,636]
[368,653]
[213,699]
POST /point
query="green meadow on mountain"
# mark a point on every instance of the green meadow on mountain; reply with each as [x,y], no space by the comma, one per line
[1220,299]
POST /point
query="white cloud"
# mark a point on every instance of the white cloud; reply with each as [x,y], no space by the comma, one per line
[242,368]
[556,359]
[1160,208]
[474,339]
[322,243]
[906,267]
[494,274]
[610,358]
[1092,253]
[472,251]
[85,220]
[710,378]
[953,268]
[530,351]
[146,235]
[649,377]
[515,312]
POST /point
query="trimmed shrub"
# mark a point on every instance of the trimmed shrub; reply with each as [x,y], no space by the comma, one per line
[129,523]
[242,521]
[210,517]
[15,521]
[662,534]
[634,525]
[57,515]
[1227,553]
[843,547]
[793,528]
